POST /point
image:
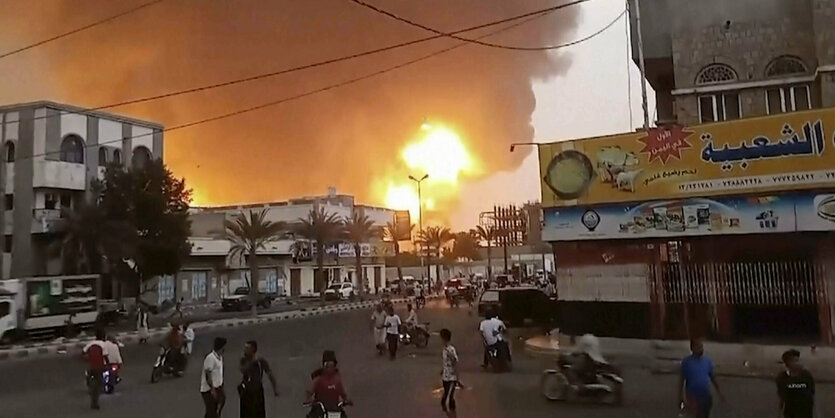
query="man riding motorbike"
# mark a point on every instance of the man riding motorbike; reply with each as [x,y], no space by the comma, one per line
[492,333]
[420,300]
[175,342]
[326,388]
[589,359]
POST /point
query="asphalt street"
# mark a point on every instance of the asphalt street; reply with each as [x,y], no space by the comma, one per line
[407,387]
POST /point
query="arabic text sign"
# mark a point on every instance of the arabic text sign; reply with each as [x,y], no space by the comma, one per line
[766,154]
[692,217]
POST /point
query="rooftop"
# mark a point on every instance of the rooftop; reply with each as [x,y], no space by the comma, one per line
[82,111]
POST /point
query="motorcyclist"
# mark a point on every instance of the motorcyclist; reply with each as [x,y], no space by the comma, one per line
[492,333]
[326,387]
[421,297]
[412,318]
[175,342]
[588,358]
[114,356]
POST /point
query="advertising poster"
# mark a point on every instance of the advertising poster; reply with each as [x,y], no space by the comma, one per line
[76,295]
[673,218]
[786,152]
[816,212]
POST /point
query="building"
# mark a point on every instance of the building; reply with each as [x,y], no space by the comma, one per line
[51,154]
[718,222]
[287,266]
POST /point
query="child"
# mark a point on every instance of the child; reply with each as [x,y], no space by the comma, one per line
[449,374]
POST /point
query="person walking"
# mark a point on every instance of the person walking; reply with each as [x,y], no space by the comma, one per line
[392,325]
[378,326]
[211,380]
[695,378]
[795,388]
[449,374]
[188,336]
[251,388]
[142,325]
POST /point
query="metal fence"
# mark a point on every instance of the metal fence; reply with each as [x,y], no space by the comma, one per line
[777,283]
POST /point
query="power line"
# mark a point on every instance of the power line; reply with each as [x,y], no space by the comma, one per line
[475,41]
[315,64]
[81,29]
[628,74]
[309,92]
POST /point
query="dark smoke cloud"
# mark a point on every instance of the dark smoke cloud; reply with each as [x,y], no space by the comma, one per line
[345,138]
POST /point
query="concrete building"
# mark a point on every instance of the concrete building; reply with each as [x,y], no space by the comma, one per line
[716,223]
[287,267]
[51,154]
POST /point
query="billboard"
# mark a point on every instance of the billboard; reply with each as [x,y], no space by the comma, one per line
[692,217]
[403,224]
[756,155]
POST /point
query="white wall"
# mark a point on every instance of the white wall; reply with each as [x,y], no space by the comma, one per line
[379,216]
[73,123]
[143,137]
[610,283]
[39,144]
[13,126]
[110,133]
[59,175]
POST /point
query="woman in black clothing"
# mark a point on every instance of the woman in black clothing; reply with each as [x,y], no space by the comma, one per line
[251,389]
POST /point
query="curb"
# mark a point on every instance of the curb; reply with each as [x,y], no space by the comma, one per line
[75,345]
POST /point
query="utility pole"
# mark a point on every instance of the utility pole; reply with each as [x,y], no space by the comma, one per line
[642,64]
[420,226]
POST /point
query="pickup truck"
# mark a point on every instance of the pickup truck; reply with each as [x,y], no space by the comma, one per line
[239,301]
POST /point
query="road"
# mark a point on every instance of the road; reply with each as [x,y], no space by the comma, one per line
[407,387]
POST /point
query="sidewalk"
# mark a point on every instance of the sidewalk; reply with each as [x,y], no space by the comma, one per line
[663,357]
[75,345]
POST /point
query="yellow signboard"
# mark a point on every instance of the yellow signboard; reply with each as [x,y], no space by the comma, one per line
[783,152]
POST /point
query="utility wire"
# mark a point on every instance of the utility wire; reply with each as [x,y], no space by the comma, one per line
[628,73]
[476,41]
[80,29]
[309,92]
[315,64]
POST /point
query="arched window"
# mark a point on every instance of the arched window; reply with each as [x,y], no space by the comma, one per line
[785,65]
[9,151]
[72,149]
[141,157]
[716,74]
[102,156]
[117,157]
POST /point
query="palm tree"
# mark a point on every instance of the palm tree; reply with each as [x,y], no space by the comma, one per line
[488,234]
[89,238]
[466,245]
[250,233]
[358,230]
[434,238]
[392,232]
[323,228]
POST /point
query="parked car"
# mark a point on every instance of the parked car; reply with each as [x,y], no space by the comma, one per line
[339,291]
[239,301]
[518,305]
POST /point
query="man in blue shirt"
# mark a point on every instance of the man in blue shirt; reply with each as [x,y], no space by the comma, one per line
[694,382]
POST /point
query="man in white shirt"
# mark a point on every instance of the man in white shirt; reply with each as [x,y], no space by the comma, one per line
[392,325]
[411,319]
[492,333]
[211,380]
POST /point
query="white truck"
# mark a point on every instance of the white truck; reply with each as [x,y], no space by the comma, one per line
[43,305]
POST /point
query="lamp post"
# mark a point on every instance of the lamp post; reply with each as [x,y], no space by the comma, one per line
[420,220]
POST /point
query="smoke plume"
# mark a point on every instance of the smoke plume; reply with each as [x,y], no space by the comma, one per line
[349,138]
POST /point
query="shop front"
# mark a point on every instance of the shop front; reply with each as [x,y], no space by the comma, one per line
[722,230]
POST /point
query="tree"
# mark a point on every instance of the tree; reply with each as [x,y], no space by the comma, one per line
[488,234]
[466,246]
[323,228]
[249,234]
[358,229]
[154,204]
[434,238]
[391,232]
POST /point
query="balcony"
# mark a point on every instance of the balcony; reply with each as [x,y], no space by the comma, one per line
[46,220]
[59,175]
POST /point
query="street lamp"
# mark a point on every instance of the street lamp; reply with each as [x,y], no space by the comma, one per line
[420,218]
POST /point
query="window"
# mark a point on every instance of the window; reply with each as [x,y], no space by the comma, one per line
[8,201]
[716,74]
[784,66]
[7,243]
[117,157]
[66,200]
[72,150]
[10,151]
[50,201]
[102,156]
[141,157]
[719,107]
[5,309]
[788,99]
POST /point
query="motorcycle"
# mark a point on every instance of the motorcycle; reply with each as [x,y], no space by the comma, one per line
[317,410]
[563,383]
[109,378]
[498,357]
[420,302]
[418,334]
[165,365]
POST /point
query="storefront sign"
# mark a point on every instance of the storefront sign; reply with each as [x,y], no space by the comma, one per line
[691,217]
[774,153]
